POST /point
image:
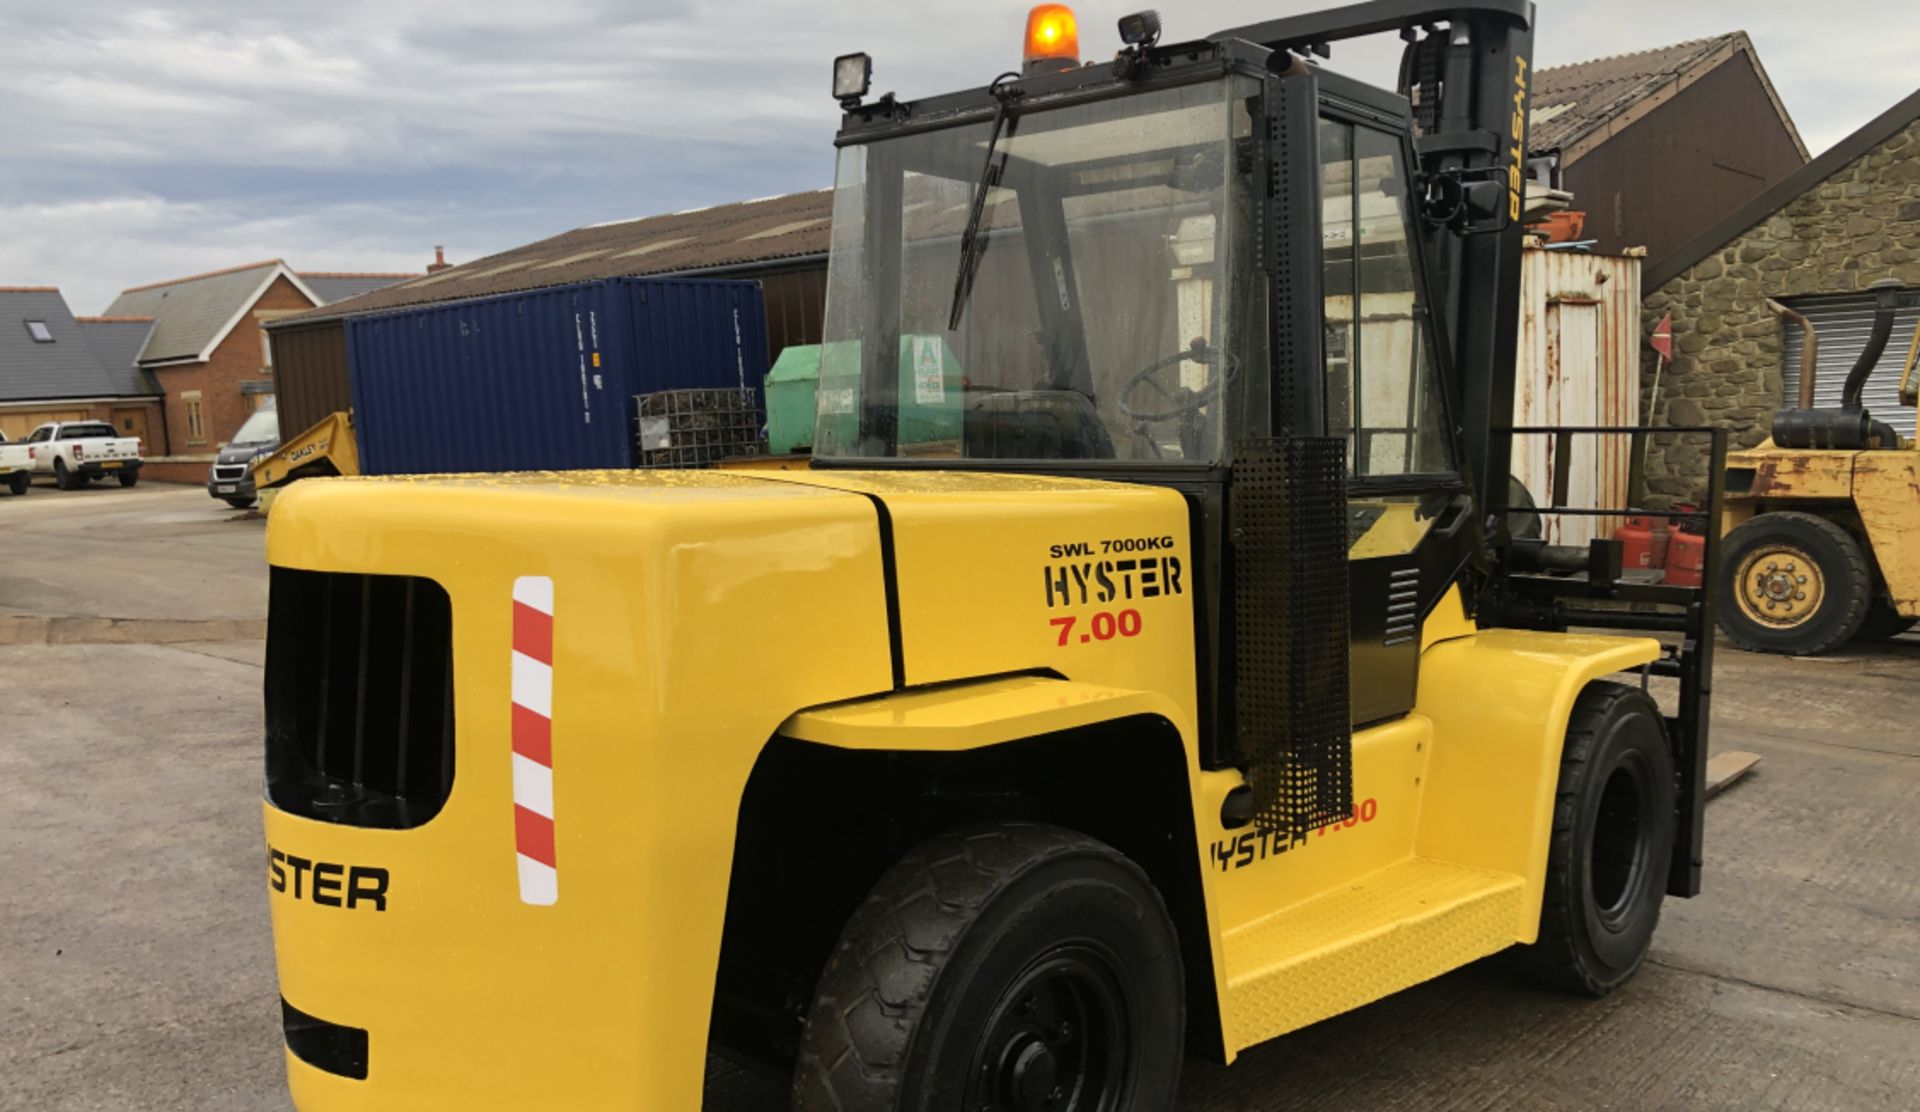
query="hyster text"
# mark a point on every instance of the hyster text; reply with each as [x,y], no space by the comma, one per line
[327,883]
[1082,583]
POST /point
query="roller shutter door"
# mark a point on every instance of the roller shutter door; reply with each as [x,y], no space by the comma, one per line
[1843,323]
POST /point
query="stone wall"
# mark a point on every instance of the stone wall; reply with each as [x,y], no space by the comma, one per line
[1855,228]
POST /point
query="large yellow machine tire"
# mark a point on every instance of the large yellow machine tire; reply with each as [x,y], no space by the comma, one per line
[1792,583]
[1613,831]
[1012,965]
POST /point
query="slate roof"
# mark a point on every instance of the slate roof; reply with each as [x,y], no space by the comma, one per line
[771,229]
[330,287]
[117,342]
[191,314]
[1574,101]
[69,367]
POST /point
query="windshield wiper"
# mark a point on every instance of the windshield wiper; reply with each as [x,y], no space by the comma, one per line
[971,243]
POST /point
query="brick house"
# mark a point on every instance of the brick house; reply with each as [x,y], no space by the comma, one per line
[208,355]
[58,367]
[1814,243]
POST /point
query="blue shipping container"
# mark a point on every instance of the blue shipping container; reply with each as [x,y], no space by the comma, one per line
[545,379]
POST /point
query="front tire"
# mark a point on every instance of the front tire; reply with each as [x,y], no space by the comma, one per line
[1613,831]
[240,503]
[1008,966]
[1792,583]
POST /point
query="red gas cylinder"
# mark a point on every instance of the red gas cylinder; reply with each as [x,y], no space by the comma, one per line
[1662,537]
[1636,543]
[1686,559]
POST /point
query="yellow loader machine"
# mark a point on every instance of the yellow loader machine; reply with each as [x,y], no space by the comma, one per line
[1143,666]
[1824,545]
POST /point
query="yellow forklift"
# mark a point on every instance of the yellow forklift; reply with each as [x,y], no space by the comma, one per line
[1163,681]
[1823,546]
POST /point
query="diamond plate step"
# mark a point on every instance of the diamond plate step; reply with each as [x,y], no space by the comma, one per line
[1407,923]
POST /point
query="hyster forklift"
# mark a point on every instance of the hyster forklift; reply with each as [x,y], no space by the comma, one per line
[1143,666]
[1823,545]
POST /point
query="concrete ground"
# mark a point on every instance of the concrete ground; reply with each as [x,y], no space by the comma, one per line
[138,969]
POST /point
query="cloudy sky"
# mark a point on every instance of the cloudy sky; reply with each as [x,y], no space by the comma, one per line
[146,142]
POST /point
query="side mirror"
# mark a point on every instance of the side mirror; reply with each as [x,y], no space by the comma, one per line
[1445,199]
[1485,200]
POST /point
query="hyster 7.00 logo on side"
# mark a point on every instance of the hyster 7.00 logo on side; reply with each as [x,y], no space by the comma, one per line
[1114,572]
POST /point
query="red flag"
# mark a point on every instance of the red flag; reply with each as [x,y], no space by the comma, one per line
[1662,338]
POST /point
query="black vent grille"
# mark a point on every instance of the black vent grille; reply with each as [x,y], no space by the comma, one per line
[1403,606]
[359,697]
[1288,515]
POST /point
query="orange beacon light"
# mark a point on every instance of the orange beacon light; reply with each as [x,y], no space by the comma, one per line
[1053,36]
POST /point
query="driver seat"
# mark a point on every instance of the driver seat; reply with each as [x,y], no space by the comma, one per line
[1035,424]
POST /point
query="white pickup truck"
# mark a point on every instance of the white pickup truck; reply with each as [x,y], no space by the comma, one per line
[74,452]
[16,466]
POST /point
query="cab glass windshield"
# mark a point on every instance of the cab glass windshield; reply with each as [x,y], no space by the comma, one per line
[1094,317]
[261,428]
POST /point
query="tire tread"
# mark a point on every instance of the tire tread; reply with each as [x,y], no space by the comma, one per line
[1552,960]
[878,982]
[1852,583]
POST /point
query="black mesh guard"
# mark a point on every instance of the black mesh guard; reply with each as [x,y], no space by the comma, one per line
[1288,514]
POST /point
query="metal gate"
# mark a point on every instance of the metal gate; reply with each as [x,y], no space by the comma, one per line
[1842,323]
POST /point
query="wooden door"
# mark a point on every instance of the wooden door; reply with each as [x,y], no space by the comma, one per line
[132,421]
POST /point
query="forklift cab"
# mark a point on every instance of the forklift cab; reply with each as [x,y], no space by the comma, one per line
[1151,271]
[1110,302]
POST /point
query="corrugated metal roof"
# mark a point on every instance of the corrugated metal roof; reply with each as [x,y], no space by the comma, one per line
[117,342]
[332,287]
[773,228]
[191,313]
[66,367]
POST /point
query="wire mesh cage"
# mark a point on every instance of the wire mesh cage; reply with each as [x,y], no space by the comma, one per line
[696,428]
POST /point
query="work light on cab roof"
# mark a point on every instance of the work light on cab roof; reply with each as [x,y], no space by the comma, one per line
[852,77]
[1053,38]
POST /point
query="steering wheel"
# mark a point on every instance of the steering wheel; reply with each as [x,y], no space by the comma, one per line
[1180,401]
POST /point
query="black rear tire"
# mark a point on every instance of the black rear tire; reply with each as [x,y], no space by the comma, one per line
[1792,583]
[19,482]
[995,967]
[1883,622]
[65,479]
[128,478]
[1613,831]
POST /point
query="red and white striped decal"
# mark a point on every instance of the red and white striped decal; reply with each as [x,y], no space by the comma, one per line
[533,739]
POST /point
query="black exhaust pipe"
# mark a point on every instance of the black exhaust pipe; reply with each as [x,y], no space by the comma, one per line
[1886,298]
[1850,426]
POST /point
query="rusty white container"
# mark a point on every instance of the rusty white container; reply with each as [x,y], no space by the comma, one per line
[1579,364]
